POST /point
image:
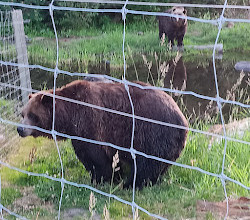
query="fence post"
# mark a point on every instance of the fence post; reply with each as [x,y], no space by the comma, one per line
[21,49]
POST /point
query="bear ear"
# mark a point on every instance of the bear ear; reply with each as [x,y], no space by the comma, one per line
[30,95]
[46,100]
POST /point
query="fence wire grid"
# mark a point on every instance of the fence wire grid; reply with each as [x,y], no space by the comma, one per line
[12,86]
[8,73]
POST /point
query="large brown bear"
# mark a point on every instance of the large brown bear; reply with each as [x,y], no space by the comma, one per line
[173,28]
[79,120]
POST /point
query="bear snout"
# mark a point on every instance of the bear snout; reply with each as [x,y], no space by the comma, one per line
[179,20]
[20,131]
[24,132]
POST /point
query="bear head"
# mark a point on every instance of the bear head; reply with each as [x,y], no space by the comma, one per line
[37,112]
[181,11]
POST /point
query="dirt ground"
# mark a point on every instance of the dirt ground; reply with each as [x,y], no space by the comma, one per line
[238,209]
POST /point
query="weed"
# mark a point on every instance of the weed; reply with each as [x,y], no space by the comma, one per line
[92,203]
[115,168]
[173,197]
[106,213]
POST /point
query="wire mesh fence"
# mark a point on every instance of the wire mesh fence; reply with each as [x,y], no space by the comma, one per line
[11,98]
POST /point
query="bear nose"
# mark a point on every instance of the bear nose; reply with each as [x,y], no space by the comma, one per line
[20,131]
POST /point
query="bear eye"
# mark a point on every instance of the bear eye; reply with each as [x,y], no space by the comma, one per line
[174,9]
[184,12]
[33,117]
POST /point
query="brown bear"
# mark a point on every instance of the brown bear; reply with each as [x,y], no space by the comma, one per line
[91,123]
[173,28]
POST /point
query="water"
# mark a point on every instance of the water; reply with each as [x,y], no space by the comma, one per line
[180,73]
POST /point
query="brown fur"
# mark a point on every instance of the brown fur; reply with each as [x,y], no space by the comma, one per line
[173,28]
[78,120]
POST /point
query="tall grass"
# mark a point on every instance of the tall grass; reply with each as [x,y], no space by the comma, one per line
[174,196]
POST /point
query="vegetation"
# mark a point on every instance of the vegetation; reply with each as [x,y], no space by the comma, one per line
[40,19]
[94,37]
[6,107]
[174,197]
[89,46]
[87,39]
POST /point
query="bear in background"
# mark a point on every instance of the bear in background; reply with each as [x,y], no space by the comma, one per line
[173,28]
[91,123]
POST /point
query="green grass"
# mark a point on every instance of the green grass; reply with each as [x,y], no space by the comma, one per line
[6,107]
[9,195]
[95,45]
[174,197]
[233,39]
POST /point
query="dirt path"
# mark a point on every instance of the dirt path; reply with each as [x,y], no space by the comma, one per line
[238,209]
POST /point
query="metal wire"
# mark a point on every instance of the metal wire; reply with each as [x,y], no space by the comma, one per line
[127,84]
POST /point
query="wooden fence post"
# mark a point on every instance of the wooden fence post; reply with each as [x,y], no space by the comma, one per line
[21,49]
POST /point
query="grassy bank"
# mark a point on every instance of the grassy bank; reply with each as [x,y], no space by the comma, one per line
[97,45]
[174,197]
